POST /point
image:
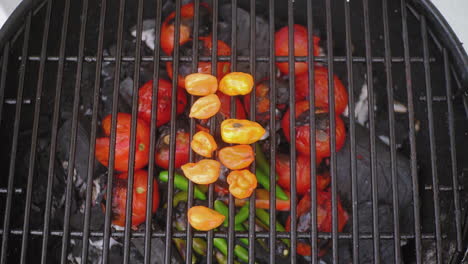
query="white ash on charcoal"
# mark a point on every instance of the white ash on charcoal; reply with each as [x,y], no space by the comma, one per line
[127,72]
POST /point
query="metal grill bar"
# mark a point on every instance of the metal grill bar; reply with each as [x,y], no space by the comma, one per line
[331,110]
[231,231]
[253,113]
[214,70]
[14,146]
[12,101]
[190,199]
[352,132]
[220,234]
[272,91]
[32,157]
[92,141]
[170,184]
[292,129]
[153,133]
[165,58]
[370,90]
[412,137]
[6,51]
[442,188]
[133,131]
[391,127]
[312,121]
[113,136]
[430,116]
[232,209]
[453,154]
[53,144]
[73,138]
[19,191]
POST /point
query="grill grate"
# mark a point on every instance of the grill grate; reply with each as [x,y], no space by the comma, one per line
[81,31]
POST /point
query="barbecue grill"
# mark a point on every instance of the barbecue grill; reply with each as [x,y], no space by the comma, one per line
[65,64]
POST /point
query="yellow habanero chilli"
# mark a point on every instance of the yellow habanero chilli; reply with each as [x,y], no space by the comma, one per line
[236,83]
[240,131]
[203,218]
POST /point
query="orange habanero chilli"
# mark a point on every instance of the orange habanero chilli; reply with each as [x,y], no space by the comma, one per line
[241,183]
[201,84]
[236,157]
[205,171]
[236,83]
[238,131]
[203,218]
[205,107]
[203,144]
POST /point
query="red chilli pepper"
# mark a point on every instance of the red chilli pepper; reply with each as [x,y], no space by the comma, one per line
[321,90]
[322,135]
[302,174]
[164,101]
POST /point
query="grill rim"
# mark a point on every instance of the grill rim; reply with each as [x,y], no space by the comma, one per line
[437,21]
[330,57]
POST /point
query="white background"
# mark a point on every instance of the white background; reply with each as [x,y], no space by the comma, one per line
[454,12]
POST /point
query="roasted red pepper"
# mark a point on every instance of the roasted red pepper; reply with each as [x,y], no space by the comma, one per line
[321,89]
[164,101]
[122,143]
[205,47]
[182,150]
[225,109]
[322,135]
[300,47]
[302,174]
[187,12]
[324,218]
[119,198]
[262,101]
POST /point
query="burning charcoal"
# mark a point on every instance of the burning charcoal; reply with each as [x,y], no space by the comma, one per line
[147,34]
[383,173]
[126,77]
[384,185]
[126,92]
[95,251]
[366,254]
[158,246]
[243,38]
[81,156]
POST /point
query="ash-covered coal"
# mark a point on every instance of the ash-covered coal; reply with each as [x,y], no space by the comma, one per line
[243,38]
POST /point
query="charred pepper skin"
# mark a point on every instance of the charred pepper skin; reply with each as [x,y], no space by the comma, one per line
[237,131]
[322,136]
[205,47]
[187,13]
[119,199]
[161,157]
